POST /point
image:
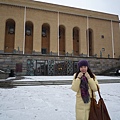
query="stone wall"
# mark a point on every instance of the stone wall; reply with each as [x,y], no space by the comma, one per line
[10,61]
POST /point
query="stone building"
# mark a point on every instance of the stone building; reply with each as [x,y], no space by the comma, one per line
[29,27]
[36,28]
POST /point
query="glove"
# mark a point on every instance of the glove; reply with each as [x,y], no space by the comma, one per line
[80,75]
[87,75]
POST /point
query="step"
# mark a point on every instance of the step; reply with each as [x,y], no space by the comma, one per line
[54,82]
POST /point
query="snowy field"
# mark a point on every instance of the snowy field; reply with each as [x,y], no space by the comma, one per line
[51,102]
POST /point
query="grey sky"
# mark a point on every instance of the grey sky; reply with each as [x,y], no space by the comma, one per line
[107,6]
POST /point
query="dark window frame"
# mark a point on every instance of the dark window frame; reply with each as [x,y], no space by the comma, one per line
[44,50]
[44,32]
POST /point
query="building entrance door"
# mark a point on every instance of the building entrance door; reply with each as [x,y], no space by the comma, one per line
[41,68]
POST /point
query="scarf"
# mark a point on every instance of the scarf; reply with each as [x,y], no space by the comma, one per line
[84,89]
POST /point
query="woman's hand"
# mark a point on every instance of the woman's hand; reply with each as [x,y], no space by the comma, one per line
[87,75]
[80,75]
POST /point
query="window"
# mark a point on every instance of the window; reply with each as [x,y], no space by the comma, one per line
[44,51]
[44,32]
[103,49]
[102,36]
[28,31]
[11,30]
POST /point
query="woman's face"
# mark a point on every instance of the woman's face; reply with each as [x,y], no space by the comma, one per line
[83,69]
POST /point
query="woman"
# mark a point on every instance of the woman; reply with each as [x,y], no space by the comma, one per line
[83,82]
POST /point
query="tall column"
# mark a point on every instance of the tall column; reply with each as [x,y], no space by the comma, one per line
[37,36]
[68,40]
[54,39]
[24,30]
[2,35]
[87,36]
[19,36]
[83,42]
[112,38]
[58,33]
[84,38]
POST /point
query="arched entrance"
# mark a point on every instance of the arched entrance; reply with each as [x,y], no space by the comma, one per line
[28,37]
[76,41]
[61,40]
[9,36]
[45,49]
[90,41]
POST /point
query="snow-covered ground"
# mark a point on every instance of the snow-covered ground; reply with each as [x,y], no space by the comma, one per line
[48,78]
[51,102]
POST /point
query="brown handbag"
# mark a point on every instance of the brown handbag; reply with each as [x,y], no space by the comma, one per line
[98,111]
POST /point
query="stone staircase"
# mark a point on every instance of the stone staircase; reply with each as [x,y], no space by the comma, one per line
[18,82]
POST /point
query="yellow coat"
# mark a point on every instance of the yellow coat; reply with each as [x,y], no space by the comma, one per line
[82,109]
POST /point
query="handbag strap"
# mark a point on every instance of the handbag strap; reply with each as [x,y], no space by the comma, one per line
[98,92]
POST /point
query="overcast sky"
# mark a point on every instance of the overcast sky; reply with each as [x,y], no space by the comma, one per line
[107,6]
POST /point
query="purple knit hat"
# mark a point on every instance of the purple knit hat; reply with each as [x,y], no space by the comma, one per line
[82,63]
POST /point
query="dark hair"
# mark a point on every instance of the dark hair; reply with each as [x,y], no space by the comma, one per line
[89,71]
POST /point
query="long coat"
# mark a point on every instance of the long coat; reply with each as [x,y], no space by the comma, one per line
[82,109]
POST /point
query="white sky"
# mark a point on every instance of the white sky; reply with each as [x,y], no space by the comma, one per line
[107,6]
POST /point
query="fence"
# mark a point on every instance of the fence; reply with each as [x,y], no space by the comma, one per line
[51,67]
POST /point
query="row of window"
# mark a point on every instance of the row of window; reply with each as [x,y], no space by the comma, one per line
[28,32]
[29,28]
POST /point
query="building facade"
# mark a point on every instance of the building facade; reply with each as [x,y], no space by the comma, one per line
[29,27]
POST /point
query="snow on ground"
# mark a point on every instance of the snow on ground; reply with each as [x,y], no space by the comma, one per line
[51,102]
[48,78]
